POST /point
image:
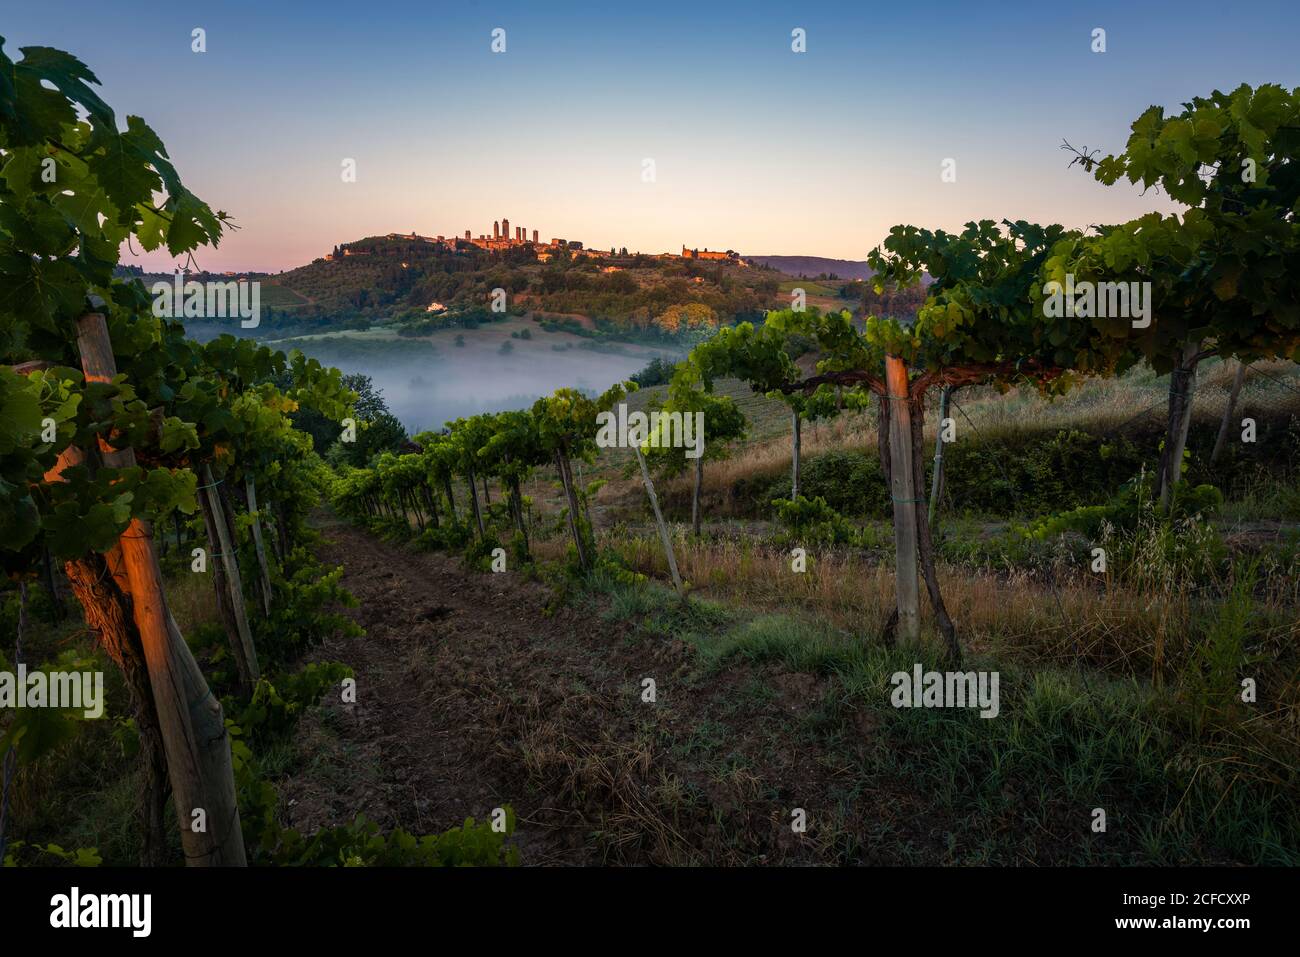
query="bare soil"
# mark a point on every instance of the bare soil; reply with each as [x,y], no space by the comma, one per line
[479,690]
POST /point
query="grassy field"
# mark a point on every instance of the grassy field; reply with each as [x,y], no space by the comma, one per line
[277,296]
[824,295]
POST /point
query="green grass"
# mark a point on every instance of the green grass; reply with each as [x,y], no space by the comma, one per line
[1023,785]
[275,296]
[812,287]
[795,642]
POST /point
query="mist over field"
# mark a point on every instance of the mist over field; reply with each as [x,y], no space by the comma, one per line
[427,382]
[424,394]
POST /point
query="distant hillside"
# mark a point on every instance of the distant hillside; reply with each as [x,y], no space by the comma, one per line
[814,266]
[379,279]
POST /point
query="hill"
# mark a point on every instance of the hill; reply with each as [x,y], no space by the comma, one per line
[814,266]
[429,285]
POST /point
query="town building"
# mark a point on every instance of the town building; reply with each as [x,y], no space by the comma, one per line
[710,256]
[502,240]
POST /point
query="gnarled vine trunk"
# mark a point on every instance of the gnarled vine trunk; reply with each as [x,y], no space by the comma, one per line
[473,500]
[925,545]
[430,504]
[575,517]
[936,480]
[106,602]
[451,498]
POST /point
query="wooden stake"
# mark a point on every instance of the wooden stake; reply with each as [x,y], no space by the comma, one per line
[695,496]
[659,520]
[1180,420]
[269,509]
[193,726]
[936,480]
[234,583]
[251,489]
[795,444]
[1225,426]
[903,490]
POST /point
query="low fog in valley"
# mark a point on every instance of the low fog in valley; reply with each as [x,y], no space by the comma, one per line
[427,382]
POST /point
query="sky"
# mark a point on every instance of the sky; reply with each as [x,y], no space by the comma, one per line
[754,147]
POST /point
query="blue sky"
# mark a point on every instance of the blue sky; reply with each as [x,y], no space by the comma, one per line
[755,147]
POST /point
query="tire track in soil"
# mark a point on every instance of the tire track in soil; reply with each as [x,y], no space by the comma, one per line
[473,692]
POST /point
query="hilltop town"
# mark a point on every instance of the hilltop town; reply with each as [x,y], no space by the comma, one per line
[411,280]
[504,239]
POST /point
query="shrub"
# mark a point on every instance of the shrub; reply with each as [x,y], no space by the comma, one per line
[1127,509]
[849,482]
[812,521]
[448,537]
[478,553]
[1068,470]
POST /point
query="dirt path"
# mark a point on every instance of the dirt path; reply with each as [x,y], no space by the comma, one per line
[477,690]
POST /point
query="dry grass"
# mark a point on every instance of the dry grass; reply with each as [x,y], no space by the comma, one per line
[1146,632]
[192,600]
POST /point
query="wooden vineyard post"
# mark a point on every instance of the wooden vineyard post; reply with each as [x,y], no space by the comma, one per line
[936,481]
[246,653]
[659,521]
[1225,425]
[795,449]
[270,510]
[902,488]
[191,719]
[251,489]
[695,496]
[1182,389]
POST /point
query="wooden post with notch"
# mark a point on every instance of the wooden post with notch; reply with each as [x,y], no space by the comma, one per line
[251,488]
[902,487]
